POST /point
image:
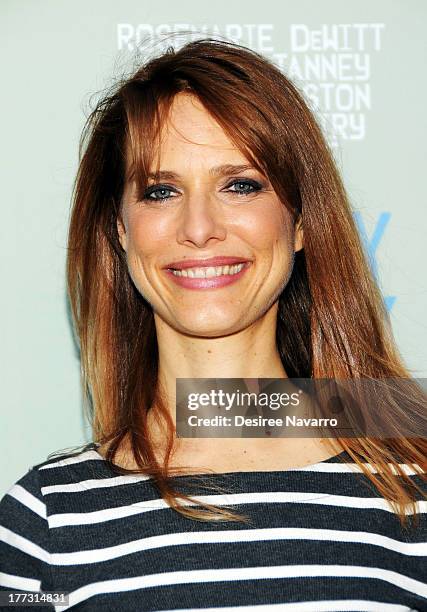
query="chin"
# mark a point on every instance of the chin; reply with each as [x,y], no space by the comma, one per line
[210,328]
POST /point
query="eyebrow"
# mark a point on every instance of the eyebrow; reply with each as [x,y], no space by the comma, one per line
[216,171]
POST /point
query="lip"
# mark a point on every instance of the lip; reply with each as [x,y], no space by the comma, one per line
[202,263]
[213,282]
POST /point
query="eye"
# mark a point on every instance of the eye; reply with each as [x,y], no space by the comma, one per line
[164,192]
[158,192]
[244,186]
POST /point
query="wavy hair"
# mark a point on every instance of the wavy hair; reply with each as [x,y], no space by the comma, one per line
[332,321]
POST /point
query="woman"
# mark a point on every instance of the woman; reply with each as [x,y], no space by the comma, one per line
[211,237]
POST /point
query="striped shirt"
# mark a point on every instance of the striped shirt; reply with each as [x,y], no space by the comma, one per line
[321,538]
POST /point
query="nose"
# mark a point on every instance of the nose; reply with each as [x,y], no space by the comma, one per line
[201,219]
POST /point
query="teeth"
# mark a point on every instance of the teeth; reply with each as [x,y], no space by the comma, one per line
[209,272]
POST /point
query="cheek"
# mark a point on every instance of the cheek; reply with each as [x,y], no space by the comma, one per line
[146,238]
[140,249]
[272,232]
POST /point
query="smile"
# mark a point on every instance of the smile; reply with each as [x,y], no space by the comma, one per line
[209,272]
[208,277]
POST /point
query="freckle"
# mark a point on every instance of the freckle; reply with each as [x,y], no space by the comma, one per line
[209,351]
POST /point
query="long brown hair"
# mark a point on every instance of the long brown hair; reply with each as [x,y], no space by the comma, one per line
[332,321]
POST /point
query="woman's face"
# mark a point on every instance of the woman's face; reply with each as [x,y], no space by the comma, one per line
[203,207]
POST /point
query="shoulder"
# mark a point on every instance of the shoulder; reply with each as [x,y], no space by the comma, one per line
[27,495]
[25,534]
[64,457]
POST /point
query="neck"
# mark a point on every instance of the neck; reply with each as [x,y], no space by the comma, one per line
[249,353]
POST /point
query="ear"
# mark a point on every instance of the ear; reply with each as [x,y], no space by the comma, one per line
[299,235]
[122,233]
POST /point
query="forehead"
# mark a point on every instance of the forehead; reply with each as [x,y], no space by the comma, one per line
[190,139]
[189,120]
[190,130]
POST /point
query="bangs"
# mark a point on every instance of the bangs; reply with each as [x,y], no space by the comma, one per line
[146,112]
[147,106]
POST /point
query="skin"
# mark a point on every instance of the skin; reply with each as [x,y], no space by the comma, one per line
[227,332]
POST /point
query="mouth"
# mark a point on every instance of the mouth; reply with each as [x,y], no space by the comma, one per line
[216,261]
[208,271]
[208,277]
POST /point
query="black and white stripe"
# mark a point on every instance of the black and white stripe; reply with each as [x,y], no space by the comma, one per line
[320,538]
